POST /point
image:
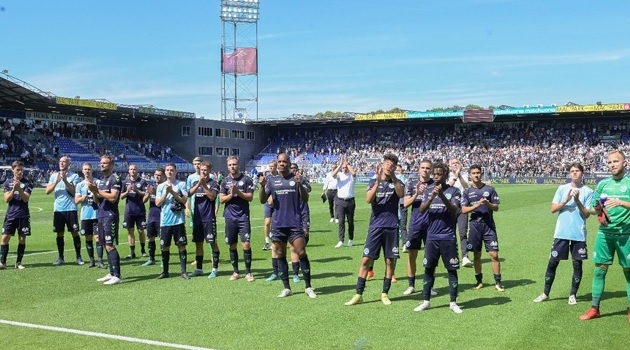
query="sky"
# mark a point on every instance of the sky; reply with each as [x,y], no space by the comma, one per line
[324,55]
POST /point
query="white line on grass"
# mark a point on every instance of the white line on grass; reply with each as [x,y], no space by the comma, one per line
[104,335]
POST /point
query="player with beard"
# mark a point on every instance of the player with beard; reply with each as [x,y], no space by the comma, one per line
[383,193]
[287,192]
[107,194]
[153,219]
[611,203]
[441,202]
[17,193]
[237,190]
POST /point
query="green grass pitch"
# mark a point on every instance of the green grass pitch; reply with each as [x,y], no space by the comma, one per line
[223,314]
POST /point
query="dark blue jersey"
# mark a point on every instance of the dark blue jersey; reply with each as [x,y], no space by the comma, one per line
[154,210]
[106,208]
[18,209]
[237,208]
[472,195]
[418,220]
[304,208]
[204,207]
[385,205]
[441,221]
[133,202]
[286,201]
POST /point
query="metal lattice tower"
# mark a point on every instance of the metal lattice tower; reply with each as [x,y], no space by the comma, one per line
[239,59]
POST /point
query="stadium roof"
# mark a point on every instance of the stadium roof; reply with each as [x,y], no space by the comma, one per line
[18,95]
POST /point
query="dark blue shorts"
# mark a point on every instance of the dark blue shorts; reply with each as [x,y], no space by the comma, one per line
[561,247]
[205,231]
[480,232]
[21,225]
[66,219]
[107,229]
[235,229]
[416,237]
[87,227]
[381,237]
[445,249]
[137,221]
[175,233]
[153,229]
[286,234]
[267,210]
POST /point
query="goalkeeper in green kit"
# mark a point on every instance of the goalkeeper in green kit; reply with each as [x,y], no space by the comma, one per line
[611,204]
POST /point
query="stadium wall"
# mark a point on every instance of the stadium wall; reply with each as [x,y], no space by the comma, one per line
[188,137]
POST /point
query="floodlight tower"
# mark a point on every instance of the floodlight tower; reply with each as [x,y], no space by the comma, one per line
[239,59]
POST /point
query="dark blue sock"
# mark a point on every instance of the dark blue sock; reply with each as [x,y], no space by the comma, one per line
[453,284]
[166,258]
[427,283]
[305,264]
[183,260]
[247,255]
[283,272]
[234,259]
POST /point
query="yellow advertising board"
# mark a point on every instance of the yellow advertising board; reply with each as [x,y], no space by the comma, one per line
[593,108]
[85,103]
[380,116]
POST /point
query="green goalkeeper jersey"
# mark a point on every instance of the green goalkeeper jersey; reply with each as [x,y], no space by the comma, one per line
[619,216]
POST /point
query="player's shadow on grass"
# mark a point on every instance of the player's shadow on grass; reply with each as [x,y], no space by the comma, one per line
[508,284]
[320,231]
[335,289]
[481,302]
[332,258]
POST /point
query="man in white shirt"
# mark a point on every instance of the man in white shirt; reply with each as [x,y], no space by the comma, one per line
[330,190]
[345,176]
[459,179]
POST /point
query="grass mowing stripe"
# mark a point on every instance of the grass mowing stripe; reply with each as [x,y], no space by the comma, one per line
[104,335]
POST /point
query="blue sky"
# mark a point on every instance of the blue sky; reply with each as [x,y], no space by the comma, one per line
[315,56]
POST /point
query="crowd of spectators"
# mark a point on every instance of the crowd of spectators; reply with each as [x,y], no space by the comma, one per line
[502,149]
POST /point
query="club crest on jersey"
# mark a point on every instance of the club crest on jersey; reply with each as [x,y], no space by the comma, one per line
[486,194]
[291,183]
[241,183]
[554,253]
[623,188]
[390,185]
[448,196]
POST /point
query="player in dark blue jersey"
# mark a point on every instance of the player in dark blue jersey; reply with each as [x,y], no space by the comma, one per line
[107,194]
[383,193]
[268,212]
[306,223]
[480,201]
[287,193]
[204,190]
[237,190]
[419,221]
[134,192]
[441,202]
[17,192]
[153,219]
